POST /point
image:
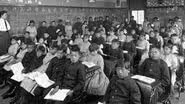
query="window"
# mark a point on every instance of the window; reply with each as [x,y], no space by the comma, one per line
[138,16]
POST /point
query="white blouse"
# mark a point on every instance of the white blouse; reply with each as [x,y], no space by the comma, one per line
[3,25]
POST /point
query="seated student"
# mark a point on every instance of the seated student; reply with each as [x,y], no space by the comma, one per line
[75,33]
[94,57]
[159,39]
[47,39]
[134,35]
[114,51]
[142,47]
[27,35]
[155,67]
[12,50]
[35,59]
[121,35]
[73,77]
[84,46]
[122,89]
[153,40]
[111,36]
[176,45]
[78,40]
[98,39]
[47,59]
[172,62]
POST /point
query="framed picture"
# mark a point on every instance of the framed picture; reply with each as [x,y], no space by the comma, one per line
[118,4]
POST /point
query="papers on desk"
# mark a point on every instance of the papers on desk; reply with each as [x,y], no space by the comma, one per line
[43,81]
[139,47]
[144,79]
[125,51]
[33,75]
[4,56]
[89,64]
[17,68]
[18,77]
[58,96]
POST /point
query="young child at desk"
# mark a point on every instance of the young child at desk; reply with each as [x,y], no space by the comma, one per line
[73,78]
[122,89]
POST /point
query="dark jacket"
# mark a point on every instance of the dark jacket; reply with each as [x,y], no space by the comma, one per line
[74,76]
[40,32]
[123,91]
[52,32]
[55,70]
[156,69]
[31,61]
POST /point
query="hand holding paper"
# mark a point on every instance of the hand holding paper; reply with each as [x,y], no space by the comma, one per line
[43,81]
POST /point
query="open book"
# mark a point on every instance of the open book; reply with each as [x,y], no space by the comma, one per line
[89,64]
[58,96]
[43,81]
[144,79]
[17,68]
[4,56]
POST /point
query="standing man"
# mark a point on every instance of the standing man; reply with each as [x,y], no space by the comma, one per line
[4,35]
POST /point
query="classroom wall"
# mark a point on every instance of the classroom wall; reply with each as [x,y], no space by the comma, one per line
[20,15]
[21,11]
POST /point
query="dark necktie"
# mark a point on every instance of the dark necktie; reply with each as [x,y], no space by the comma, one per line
[6,25]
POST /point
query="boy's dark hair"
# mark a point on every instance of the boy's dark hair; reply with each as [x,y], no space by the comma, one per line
[27,32]
[62,47]
[115,41]
[86,35]
[93,47]
[168,45]
[32,21]
[174,35]
[75,48]
[15,38]
[2,13]
[60,20]
[41,48]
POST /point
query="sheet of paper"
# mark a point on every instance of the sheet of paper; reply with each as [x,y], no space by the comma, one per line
[58,96]
[18,77]
[43,81]
[17,68]
[33,75]
[139,47]
[4,56]
[89,64]
[144,79]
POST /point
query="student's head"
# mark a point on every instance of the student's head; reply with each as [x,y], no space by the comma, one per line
[93,48]
[75,31]
[46,35]
[60,21]
[62,50]
[32,23]
[41,40]
[53,23]
[53,48]
[155,53]
[90,19]
[133,31]
[27,34]
[14,40]
[121,70]
[101,26]
[44,23]
[75,53]
[23,44]
[129,38]
[156,33]
[86,38]
[97,34]
[78,19]
[91,32]
[3,14]
[162,29]
[40,50]
[167,49]
[78,35]
[115,44]
[31,45]
[152,34]
[175,38]
[132,18]
[142,36]
[183,38]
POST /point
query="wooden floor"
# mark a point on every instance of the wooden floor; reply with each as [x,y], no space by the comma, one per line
[174,101]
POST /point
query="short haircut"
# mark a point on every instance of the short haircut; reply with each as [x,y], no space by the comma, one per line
[75,48]
[168,45]
[26,32]
[115,41]
[174,35]
[62,47]
[15,38]
[41,48]
[3,12]
[93,47]
[32,21]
